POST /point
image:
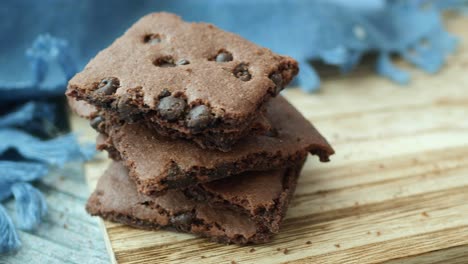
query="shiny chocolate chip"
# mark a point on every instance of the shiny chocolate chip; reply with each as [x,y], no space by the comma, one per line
[277,78]
[108,86]
[199,117]
[164,93]
[183,62]
[152,39]
[224,56]
[171,108]
[242,72]
[96,123]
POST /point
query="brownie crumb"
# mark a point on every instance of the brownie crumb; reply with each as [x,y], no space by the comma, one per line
[308,243]
[378,233]
[278,249]
[233,262]
[285,251]
[337,245]
[252,250]
[202,257]
[425,214]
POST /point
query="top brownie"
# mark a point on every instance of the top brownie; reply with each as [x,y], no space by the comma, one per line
[189,78]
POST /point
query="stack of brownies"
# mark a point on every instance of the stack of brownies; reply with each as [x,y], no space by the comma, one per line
[200,138]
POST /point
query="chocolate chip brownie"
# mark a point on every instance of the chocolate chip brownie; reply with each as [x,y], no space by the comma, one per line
[116,199]
[189,80]
[158,164]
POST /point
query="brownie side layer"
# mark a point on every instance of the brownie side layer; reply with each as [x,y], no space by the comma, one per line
[218,139]
[158,164]
[116,199]
[177,179]
[178,80]
[263,196]
[265,206]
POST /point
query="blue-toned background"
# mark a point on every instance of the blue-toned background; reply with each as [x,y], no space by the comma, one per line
[303,29]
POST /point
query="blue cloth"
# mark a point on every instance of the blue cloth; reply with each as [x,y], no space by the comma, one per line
[9,240]
[30,138]
[31,206]
[338,32]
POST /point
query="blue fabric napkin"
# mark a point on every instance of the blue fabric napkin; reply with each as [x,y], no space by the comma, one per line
[30,138]
[337,32]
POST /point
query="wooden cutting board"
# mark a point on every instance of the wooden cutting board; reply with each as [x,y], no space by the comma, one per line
[396,190]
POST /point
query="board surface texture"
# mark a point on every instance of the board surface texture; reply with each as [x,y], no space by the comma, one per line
[396,190]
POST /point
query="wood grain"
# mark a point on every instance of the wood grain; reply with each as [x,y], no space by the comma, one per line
[67,234]
[395,191]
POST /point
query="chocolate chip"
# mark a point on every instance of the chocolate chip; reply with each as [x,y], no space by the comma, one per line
[171,107]
[108,86]
[183,62]
[96,122]
[242,72]
[152,39]
[164,62]
[164,93]
[182,221]
[277,78]
[199,117]
[124,107]
[224,56]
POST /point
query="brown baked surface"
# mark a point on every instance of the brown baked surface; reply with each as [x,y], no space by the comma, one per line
[192,78]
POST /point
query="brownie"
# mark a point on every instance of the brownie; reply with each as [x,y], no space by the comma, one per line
[187,80]
[158,163]
[263,195]
[116,199]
